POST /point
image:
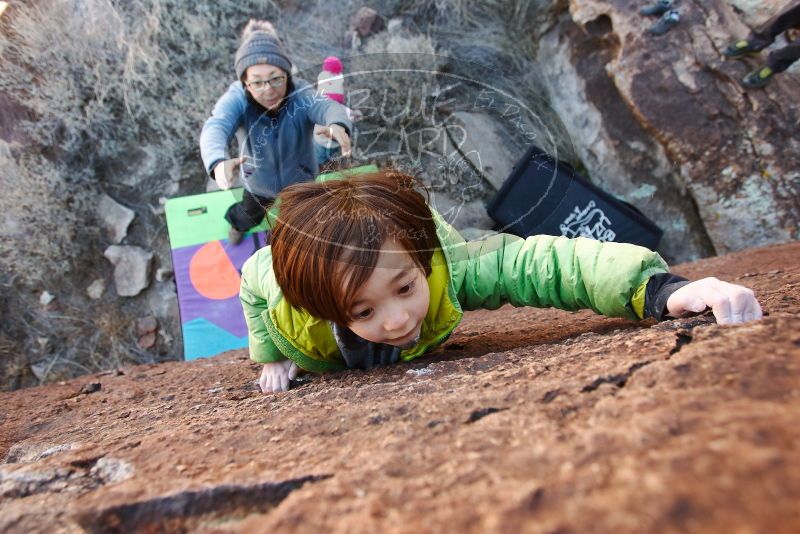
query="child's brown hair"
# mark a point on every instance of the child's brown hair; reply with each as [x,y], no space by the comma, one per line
[328,237]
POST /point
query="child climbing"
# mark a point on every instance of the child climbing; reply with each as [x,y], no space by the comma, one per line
[763,36]
[277,114]
[376,276]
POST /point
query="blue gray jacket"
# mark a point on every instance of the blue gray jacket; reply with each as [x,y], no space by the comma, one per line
[279,146]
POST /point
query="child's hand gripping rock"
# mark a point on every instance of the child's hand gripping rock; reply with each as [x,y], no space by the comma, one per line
[729,302]
[275,376]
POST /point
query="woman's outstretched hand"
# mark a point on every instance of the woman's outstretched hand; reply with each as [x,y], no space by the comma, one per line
[276,376]
[339,134]
[729,302]
[223,172]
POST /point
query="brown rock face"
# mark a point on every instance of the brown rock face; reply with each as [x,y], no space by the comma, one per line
[663,122]
[525,421]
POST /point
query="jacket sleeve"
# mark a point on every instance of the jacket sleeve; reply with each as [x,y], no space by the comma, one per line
[325,111]
[221,126]
[262,348]
[547,271]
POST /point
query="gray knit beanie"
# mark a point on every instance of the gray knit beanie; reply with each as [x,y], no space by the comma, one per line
[258,48]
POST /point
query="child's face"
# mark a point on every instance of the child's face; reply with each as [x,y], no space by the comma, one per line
[266,84]
[390,306]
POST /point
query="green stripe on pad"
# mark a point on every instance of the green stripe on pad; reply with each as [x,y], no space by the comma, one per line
[197,219]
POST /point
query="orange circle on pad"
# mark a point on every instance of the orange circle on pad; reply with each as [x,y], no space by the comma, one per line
[212,273]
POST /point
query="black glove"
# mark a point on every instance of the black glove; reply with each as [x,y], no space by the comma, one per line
[659,289]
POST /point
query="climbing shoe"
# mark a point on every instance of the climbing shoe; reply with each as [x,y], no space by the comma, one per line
[235,236]
[657,9]
[740,49]
[758,78]
[667,21]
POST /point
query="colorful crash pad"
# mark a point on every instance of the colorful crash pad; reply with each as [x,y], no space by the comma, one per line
[208,268]
[207,271]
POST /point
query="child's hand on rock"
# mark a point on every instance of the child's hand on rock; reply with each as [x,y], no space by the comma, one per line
[729,302]
[275,376]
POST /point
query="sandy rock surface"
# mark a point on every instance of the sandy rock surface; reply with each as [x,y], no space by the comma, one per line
[525,421]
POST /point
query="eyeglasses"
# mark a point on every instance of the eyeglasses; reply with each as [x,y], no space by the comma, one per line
[259,85]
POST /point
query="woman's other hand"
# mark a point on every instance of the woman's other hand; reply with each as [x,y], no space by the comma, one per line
[339,134]
[223,172]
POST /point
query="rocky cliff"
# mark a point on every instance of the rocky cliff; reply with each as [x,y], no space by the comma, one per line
[525,421]
[663,122]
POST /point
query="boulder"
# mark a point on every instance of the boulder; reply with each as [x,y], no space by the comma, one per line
[142,163]
[114,217]
[160,208]
[478,137]
[363,24]
[461,214]
[663,122]
[147,341]
[146,325]
[45,298]
[41,369]
[24,452]
[755,12]
[366,22]
[163,274]
[131,268]
[395,25]
[162,301]
[166,337]
[96,289]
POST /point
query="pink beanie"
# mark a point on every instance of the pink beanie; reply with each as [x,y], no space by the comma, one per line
[330,82]
[333,65]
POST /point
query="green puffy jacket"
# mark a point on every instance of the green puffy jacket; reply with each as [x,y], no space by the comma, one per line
[541,271]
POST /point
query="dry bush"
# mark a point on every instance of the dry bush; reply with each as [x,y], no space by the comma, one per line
[118,91]
[103,75]
[45,218]
[61,341]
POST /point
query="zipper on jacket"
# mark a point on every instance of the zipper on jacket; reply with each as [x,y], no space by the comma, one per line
[277,150]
